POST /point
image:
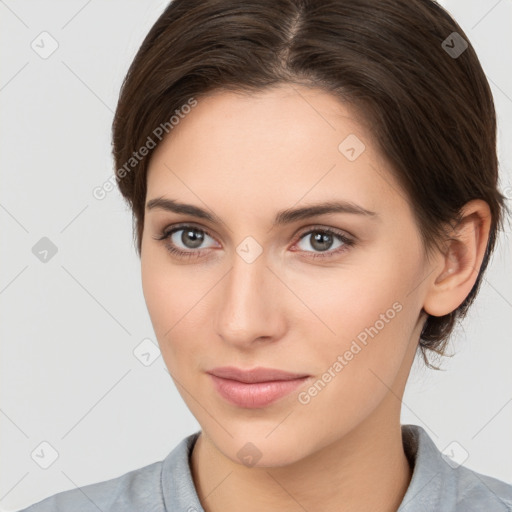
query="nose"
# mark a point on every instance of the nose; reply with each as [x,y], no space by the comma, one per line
[252,305]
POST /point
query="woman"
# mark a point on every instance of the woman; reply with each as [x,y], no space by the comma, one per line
[314,189]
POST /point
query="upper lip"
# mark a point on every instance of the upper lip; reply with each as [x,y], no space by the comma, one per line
[258,374]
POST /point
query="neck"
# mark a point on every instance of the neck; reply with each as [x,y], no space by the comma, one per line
[366,470]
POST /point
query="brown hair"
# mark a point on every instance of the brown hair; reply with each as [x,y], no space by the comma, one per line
[421,90]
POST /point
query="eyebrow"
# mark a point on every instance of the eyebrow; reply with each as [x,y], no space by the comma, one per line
[282,217]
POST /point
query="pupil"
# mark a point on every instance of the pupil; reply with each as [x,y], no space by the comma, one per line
[322,241]
[195,238]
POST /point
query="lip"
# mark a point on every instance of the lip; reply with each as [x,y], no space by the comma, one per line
[258,374]
[254,388]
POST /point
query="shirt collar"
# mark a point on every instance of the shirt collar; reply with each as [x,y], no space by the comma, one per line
[430,485]
[430,476]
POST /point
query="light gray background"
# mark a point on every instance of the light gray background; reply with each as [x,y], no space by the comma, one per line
[69,326]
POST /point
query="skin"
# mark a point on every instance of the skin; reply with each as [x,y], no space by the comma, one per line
[244,158]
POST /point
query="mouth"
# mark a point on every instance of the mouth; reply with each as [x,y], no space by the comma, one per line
[254,388]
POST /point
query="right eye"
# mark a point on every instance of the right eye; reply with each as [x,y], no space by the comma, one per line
[184,240]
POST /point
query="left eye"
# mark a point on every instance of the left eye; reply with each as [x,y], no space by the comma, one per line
[322,240]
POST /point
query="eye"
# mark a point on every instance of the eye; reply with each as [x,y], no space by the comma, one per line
[323,239]
[184,240]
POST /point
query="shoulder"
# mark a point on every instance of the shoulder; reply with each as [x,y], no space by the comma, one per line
[139,489]
[439,483]
[476,491]
[159,487]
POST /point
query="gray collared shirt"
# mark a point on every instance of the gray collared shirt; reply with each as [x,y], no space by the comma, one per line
[438,484]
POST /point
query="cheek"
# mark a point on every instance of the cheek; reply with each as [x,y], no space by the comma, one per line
[165,294]
[344,302]
[157,293]
[365,314]
[176,298]
[356,366]
[368,325]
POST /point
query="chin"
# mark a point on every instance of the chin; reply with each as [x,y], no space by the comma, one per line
[256,448]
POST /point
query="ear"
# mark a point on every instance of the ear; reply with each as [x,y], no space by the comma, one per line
[457,268]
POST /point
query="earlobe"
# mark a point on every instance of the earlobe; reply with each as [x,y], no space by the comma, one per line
[457,269]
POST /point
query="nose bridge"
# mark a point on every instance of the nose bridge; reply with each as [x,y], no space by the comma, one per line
[248,308]
[247,286]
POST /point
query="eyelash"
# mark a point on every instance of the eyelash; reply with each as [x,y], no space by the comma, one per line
[167,233]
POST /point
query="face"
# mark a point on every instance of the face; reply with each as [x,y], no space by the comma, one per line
[335,296]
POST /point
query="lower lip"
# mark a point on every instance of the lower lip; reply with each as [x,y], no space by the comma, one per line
[257,394]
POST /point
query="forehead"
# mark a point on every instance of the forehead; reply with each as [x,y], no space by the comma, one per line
[276,147]
[309,121]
